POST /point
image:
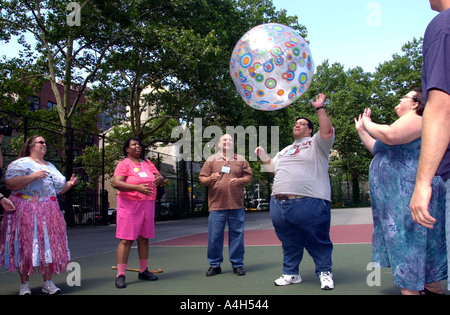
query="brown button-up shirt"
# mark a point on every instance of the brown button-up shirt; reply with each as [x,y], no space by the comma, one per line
[222,195]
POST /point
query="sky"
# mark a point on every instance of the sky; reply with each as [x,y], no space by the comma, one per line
[362,33]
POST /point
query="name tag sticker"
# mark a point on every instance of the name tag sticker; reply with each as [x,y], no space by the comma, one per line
[142,174]
[226,169]
[291,151]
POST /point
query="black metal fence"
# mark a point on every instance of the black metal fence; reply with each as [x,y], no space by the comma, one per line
[183,195]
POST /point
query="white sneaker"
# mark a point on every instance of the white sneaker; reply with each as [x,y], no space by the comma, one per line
[288,279]
[50,288]
[25,289]
[326,280]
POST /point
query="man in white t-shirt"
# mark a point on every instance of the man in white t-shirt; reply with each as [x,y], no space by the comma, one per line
[300,205]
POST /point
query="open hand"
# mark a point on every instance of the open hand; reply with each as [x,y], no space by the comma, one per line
[419,206]
[7,204]
[145,189]
[261,153]
[320,99]
[73,180]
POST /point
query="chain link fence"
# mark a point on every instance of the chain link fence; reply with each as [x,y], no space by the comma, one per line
[182,194]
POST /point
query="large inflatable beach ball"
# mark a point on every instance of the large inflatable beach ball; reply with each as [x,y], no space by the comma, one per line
[271,66]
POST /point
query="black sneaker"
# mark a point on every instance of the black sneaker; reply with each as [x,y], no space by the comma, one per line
[239,271]
[212,271]
[147,275]
[120,282]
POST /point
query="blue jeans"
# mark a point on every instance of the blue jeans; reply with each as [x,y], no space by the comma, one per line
[303,224]
[216,228]
[447,224]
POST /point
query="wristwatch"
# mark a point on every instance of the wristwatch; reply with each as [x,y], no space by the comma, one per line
[320,107]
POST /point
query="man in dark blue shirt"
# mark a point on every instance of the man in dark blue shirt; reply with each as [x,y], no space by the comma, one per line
[434,154]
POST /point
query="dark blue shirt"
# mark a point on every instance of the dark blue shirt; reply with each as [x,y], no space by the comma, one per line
[436,68]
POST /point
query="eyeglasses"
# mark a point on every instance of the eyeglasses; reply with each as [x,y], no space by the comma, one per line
[408,97]
[301,124]
[41,142]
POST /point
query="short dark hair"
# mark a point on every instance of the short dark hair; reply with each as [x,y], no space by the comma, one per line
[310,124]
[127,144]
[420,100]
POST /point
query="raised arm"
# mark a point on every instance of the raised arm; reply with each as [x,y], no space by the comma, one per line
[365,137]
[325,125]
[404,130]
[265,159]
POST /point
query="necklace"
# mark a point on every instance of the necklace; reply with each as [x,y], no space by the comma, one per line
[136,168]
[44,166]
[36,160]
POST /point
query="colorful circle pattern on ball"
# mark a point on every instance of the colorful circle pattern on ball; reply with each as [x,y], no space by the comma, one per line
[271,66]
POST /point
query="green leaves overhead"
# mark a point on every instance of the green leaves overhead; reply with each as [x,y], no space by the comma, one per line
[166,62]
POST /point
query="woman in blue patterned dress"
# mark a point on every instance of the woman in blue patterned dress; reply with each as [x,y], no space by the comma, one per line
[34,235]
[417,255]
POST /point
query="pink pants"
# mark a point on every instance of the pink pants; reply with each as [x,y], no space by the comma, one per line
[135,218]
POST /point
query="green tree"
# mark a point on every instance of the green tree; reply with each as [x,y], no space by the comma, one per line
[394,78]
[172,66]
[61,51]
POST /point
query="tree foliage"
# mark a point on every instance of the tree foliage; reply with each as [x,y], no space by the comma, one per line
[166,62]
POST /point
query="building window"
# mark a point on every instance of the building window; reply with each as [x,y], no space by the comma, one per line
[51,105]
[34,103]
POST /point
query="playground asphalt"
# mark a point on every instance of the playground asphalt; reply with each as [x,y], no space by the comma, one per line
[93,240]
[183,284]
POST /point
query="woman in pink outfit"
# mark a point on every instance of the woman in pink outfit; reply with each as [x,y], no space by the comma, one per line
[34,235]
[135,178]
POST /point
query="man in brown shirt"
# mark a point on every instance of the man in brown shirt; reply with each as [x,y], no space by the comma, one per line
[225,173]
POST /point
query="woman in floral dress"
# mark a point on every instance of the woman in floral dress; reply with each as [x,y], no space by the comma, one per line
[417,255]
